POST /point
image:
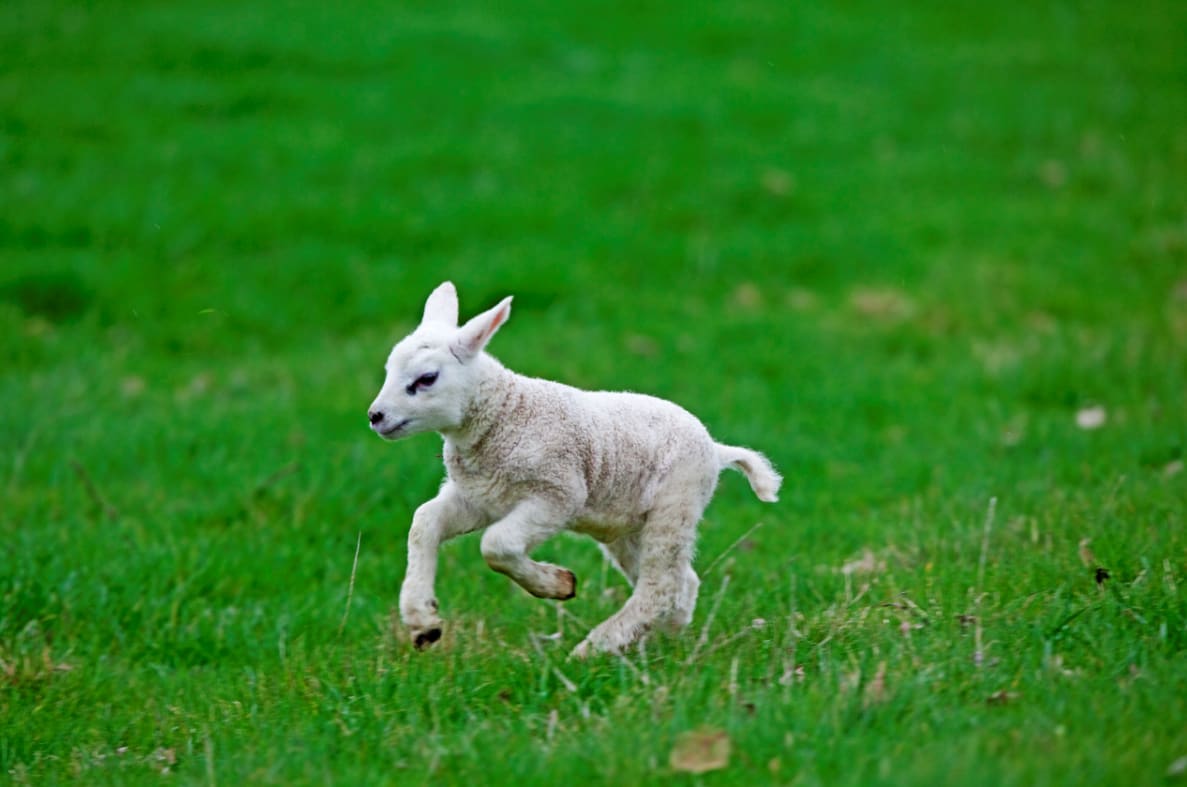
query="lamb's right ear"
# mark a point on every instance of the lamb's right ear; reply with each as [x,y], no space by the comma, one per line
[474,335]
[441,307]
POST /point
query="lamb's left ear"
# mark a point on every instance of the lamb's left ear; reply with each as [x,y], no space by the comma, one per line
[474,335]
[441,305]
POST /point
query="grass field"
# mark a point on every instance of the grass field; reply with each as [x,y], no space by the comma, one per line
[931,258]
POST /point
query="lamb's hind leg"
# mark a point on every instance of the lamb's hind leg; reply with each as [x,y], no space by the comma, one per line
[686,602]
[662,592]
[506,544]
[624,553]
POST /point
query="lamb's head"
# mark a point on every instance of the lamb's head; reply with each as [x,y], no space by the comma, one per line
[434,372]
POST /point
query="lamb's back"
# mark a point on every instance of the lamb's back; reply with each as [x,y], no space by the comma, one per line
[635,442]
[602,454]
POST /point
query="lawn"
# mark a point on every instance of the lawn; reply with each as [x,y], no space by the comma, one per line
[929,257]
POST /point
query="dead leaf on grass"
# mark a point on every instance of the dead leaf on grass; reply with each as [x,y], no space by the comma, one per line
[1053,173]
[800,300]
[1177,768]
[884,304]
[642,346]
[778,182]
[132,386]
[701,750]
[1086,556]
[1089,418]
[747,296]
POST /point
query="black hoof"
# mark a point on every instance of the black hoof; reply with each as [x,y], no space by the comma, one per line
[426,638]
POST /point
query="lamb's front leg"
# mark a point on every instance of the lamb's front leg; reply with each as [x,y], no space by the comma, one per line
[506,544]
[436,521]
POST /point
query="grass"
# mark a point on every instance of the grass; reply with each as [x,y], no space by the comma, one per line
[899,249]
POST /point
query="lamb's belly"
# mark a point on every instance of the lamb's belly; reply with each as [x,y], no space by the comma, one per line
[605,529]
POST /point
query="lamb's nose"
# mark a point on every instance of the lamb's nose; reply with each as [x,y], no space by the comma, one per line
[375,415]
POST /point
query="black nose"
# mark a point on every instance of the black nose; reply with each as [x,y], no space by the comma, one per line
[375,415]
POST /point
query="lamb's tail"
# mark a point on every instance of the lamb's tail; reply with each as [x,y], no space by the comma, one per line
[763,477]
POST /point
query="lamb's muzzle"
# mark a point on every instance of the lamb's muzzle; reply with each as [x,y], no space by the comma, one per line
[527,458]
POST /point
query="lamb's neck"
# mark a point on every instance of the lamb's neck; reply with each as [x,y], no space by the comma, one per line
[495,397]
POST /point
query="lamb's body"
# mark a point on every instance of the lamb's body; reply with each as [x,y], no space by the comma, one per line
[603,458]
[527,458]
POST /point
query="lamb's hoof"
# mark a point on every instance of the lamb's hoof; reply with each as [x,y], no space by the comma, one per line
[572,583]
[426,638]
[561,585]
[582,651]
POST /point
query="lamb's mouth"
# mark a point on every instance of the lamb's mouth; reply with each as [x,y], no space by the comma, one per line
[392,431]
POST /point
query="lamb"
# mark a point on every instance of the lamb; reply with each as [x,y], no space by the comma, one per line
[527,458]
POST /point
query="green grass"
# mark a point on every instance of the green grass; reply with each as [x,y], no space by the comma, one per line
[898,249]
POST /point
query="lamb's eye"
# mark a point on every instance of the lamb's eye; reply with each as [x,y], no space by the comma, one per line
[422,382]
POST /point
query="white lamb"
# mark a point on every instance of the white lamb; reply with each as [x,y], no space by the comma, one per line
[528,458]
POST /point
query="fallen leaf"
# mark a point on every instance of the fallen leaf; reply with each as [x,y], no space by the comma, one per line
[700,750]
[1090,418]
[132,386]
[801,300]
[1173,468]
[777,182]
[886,304]
[1086,556]
[1053,173]
[747,296]
[1178,767]
[643,346]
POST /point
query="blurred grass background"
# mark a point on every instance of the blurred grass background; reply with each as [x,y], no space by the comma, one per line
[898,248]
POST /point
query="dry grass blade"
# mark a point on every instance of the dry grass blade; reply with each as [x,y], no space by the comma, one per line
[729,549]
[350,588]
[271,480]
[106,508]
[978,649]
[569,685]
[989,515]
[704,637]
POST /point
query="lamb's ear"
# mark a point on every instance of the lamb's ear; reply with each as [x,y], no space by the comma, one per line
[474,335]
[441,307]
